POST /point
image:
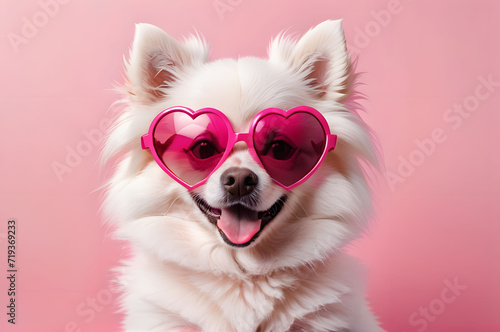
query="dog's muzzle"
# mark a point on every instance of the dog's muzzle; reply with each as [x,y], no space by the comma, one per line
[237,222]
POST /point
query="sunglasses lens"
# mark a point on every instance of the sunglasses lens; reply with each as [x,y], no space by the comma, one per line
[289,147]
[190,147]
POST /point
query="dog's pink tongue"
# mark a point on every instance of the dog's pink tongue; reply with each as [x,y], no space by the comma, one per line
[239,224]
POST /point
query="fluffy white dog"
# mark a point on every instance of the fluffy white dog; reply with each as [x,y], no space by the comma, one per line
[240,252]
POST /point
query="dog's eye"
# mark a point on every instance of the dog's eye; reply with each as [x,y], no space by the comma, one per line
[203,149]
[281,150]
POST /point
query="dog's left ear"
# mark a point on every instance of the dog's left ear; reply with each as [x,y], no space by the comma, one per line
[157,60]
[321,57]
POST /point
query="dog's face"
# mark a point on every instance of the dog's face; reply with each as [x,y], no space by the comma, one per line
[240,220]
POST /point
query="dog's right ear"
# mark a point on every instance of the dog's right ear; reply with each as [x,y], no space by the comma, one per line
[157,60]
[321,56]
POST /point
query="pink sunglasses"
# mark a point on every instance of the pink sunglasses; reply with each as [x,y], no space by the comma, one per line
[191,145]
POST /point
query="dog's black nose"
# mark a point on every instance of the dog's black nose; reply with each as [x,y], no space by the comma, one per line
[239,181]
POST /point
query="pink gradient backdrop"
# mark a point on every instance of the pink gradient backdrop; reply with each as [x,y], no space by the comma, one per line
[439,222]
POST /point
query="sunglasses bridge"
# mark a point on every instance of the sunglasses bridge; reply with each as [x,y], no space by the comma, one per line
[243,137]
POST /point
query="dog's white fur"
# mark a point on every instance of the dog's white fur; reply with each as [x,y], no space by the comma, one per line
[295,277]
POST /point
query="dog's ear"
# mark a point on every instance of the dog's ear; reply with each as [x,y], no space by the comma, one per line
[157,60]
[321,57]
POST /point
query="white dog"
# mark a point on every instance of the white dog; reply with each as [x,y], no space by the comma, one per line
[249,245]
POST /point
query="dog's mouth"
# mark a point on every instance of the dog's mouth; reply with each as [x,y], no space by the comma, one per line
[239,225]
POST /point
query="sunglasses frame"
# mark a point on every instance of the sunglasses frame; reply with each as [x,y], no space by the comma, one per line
[148,143]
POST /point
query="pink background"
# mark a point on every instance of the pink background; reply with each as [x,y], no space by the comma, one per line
[438,225]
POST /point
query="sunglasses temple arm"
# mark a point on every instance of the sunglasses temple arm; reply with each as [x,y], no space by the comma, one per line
[145,141]
[332,142]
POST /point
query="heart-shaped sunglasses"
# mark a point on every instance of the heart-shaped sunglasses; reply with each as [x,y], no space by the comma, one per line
[191,145]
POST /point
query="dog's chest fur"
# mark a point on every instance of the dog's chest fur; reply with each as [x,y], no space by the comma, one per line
[285,300]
